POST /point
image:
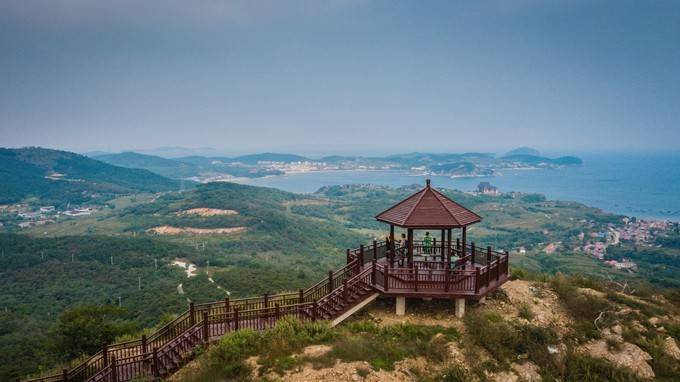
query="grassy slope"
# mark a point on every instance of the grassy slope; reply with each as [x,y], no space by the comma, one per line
[489,340]
[24,172]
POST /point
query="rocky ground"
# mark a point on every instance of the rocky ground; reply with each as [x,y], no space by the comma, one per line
[511,302]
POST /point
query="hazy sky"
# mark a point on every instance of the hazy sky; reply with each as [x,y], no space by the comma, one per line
[340,76]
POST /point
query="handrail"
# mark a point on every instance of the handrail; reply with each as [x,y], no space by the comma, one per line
[260,307]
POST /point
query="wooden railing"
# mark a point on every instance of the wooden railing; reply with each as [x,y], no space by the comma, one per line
[170,346]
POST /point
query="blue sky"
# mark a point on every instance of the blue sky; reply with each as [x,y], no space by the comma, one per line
[340,76]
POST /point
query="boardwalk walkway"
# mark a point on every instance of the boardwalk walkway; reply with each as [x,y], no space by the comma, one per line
[465,272]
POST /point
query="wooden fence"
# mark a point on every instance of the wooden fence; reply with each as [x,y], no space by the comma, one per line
[172,345]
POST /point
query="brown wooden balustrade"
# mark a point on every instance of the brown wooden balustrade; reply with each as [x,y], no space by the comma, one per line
[472,272]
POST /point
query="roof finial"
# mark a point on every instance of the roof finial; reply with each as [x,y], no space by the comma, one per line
[427,182]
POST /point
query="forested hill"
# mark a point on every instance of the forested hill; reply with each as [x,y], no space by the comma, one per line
[59,177]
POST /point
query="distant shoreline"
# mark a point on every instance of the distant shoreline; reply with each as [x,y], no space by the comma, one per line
[523,181]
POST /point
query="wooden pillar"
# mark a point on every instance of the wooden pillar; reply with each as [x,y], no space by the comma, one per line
[236,324]
[64,375]
[443,244]
[330,281]
[448,249]
[206,331]
[348,257]
[464,239]
[392,233]
[266,300]
[373,265]
[192,319]
[506,265]
[105,354]
[415,278]
[392,247]
[344,290]
[375,250]
[301,296]
[154,368]
[488,256]
[387,278]
[144,344]
[410,245]
[114,372]
[226,305]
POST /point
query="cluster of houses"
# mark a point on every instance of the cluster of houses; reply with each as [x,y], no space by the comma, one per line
[30,217]
[595,242]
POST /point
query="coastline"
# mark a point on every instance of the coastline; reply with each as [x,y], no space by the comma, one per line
[555,184]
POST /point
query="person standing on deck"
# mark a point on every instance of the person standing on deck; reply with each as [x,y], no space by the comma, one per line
[403,248]
[427,243]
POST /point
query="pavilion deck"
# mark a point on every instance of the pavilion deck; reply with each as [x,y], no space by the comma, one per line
[467,272]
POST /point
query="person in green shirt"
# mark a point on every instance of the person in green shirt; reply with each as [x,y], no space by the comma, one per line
[427,243]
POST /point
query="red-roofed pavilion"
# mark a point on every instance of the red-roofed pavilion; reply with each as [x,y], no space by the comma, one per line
[429,209]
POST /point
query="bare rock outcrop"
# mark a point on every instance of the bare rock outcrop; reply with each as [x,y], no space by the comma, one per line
[543,302]
[527,372]
[671,348]
[626,355]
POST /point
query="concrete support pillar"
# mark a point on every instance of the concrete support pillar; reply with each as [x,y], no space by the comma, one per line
[401,306]
[460,307]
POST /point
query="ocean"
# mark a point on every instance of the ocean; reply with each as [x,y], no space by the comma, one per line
[645,185]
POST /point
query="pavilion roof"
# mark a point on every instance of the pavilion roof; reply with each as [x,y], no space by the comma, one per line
[428,208]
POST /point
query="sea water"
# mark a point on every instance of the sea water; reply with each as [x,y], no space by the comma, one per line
[645,185]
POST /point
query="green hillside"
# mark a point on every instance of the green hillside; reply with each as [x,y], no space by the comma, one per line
[59,177]
[166,167]
[43,278]
[192,166]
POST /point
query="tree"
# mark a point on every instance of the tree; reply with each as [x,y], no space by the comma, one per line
[83,329]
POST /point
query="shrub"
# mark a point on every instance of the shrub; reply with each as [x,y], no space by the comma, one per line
[226,358]
[274,346]
[518,273]
[647,309]
[525,312]
[452,373]
[583,308]
[665,367]
[383,346]
[505,341]
[582,368]
[489,330]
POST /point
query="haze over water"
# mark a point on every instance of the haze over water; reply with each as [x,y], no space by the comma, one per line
[642,185]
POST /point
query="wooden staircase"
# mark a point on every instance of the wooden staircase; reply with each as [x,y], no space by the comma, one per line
[345,291]
[349,294]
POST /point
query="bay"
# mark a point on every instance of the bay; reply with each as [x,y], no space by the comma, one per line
[645,185]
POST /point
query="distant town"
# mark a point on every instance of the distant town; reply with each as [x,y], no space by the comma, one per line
[25,215]
[595,239]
